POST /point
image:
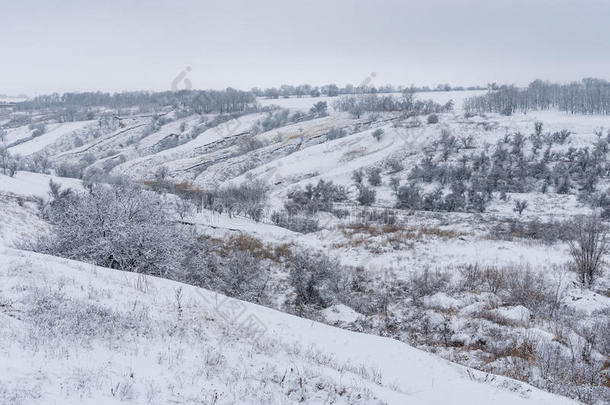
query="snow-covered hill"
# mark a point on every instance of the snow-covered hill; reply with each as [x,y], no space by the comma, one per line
[73,333]
[493,290]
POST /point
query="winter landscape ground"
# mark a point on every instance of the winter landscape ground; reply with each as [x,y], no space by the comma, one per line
[217,247]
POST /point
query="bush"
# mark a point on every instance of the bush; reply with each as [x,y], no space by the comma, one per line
[377,134]
[548,232]
[395,165]
[297,223]
[409,196]
[427,283]
[366,195]
[319,109]
[315,198]
[385,217]
[335,133]
[38,129]
[236,273]
[520,205]
[314,278]
[374,176]
[119,226]
[588,248]
[507,111]
[277,119]
[247,199]
[8,163]
[432,119]
[69,170]
[248,145]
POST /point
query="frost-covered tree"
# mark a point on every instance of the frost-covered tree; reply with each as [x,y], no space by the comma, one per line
[5,158]
[358,176]
[588,248]
[366,195]
[119,226]
[377,134]
[373,175]
[319,109]
[520,206]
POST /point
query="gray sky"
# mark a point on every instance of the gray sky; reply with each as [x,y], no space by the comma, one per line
[112,45]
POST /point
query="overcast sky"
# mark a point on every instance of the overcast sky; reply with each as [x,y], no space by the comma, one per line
[112,45]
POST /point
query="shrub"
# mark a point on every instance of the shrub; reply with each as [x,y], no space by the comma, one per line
[588,248]
[315,198]
[8,163]
[248,198]
[366,195]
[297,223]
[394,165]
[119,226]
[335,133]
[385,217]
[520,205]
[248,145]
[357,176]
[395,184]
[313,275]
[409,196]
[237,274]
[319,109]
[374,176]
[548,232]
[69,170]
[427,283]
[377,134]
[241,276]
[38,129]
[432,119]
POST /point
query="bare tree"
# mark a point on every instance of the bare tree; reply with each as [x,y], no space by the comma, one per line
[588,248]
[520,205]
[5,158]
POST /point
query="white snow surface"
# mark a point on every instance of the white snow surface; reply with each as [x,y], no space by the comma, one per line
[28,184]
[53,134]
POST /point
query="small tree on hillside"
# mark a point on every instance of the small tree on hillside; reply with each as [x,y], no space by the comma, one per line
[357,176]
[374,176]
[432,119]
[520,206]
[319,109]
[377,134]
[366,195]
[588,248]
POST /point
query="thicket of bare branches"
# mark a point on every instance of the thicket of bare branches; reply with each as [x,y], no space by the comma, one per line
[589,96]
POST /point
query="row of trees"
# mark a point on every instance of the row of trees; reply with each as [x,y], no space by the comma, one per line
[193,101]
[407,103]
[332,90]
[589,96]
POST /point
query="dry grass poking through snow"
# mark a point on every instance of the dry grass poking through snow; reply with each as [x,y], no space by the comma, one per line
[378,237]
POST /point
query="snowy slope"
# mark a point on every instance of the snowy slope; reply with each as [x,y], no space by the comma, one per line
[73,333]
[28,184]
[20,218]
[56,132]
